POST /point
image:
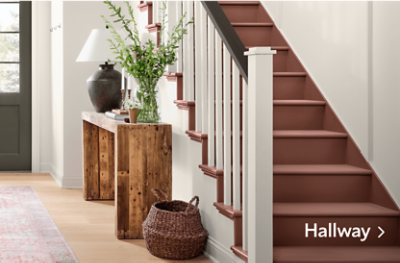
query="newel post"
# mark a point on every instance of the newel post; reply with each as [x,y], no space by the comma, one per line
[260,174]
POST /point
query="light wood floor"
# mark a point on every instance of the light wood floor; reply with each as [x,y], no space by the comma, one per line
[88,227]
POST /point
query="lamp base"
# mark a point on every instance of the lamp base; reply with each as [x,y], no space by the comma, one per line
[104,87]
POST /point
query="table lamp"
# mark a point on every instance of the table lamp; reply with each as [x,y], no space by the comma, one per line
[104,85]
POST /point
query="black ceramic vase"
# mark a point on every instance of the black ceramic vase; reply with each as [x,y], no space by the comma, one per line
[104,87]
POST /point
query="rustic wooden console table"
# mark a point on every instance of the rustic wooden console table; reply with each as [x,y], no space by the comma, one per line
[124,162]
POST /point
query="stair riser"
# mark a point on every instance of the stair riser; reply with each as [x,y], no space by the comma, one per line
[321,188]
[309,150]
[290,231]
[260,36]
[288,88]
[243,13]
[285,61]
[298,117]
[254,35]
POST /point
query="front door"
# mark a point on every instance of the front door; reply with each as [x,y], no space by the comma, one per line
[15,86]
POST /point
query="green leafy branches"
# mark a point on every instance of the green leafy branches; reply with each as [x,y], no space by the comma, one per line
[149,60]
[146,63]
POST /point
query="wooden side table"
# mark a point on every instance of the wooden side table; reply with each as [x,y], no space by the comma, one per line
[124,162]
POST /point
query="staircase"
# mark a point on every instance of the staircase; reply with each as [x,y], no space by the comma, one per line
[320,176]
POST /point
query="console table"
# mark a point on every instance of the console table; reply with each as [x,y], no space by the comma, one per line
[124,162]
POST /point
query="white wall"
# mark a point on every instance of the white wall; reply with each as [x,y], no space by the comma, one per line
[386,95]
[63,97]
[331,39]
[41,83]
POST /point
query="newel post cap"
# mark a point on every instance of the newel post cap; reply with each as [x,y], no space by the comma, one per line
[260,51]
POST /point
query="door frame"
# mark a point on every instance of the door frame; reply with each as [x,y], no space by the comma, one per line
[35,87]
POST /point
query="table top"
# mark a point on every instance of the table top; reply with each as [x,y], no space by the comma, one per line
[100,120]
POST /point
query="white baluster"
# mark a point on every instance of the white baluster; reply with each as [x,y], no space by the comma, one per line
[185,55]
[260,187]
[203,61]
[236,135]
[180,43]
[171,11]
[244,163]
[189,53]
[155,12]
[218,101]
[211,145]
[198,69]
[227,128]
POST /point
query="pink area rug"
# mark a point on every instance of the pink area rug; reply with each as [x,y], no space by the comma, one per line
[27,232]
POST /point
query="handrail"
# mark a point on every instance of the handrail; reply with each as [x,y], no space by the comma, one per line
[228,35]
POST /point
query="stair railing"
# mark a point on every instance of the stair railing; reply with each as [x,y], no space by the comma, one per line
[226,84]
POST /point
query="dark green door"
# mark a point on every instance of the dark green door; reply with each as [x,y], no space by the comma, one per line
[15,86]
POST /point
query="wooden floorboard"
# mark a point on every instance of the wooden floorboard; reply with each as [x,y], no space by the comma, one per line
[87,226]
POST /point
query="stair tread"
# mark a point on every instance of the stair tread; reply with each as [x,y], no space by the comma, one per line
[299,102]
[332,209]
[272,47]
[252,24]
[289,74]
[319,169]
[308,134]
[238,2]
[337,254]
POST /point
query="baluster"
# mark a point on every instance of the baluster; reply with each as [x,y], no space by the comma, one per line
[198,69]
[236,135]
[179,51]
[186,59]
[227,128]
[211,146]
[155,12]
[189,53]
[218,100]
[203,62]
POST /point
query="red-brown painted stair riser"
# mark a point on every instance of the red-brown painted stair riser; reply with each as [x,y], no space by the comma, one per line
[320,175]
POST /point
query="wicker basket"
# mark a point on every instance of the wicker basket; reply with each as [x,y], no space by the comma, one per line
[173,229]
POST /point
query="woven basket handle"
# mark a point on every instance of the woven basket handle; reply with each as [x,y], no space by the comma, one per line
[191,201]
[161,192]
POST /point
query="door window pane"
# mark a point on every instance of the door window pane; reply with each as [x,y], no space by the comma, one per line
[9,17]
[9,78]
[9,47]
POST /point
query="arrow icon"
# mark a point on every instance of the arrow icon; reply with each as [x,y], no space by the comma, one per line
[382,232]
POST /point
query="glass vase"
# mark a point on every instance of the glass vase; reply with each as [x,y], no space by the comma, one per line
[147,98]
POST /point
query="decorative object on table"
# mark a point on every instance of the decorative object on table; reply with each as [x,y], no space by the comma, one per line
[122,110]
[28,233]
[146,63]
[132,109]
[103,85]
[116,116]
[173,229]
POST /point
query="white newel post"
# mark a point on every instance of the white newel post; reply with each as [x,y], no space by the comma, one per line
[260,176]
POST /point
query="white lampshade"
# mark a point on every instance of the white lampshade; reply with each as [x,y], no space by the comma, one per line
[97,47]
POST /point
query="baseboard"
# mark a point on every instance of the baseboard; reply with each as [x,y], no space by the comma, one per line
[72,182]
[63,182]
[218,253]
